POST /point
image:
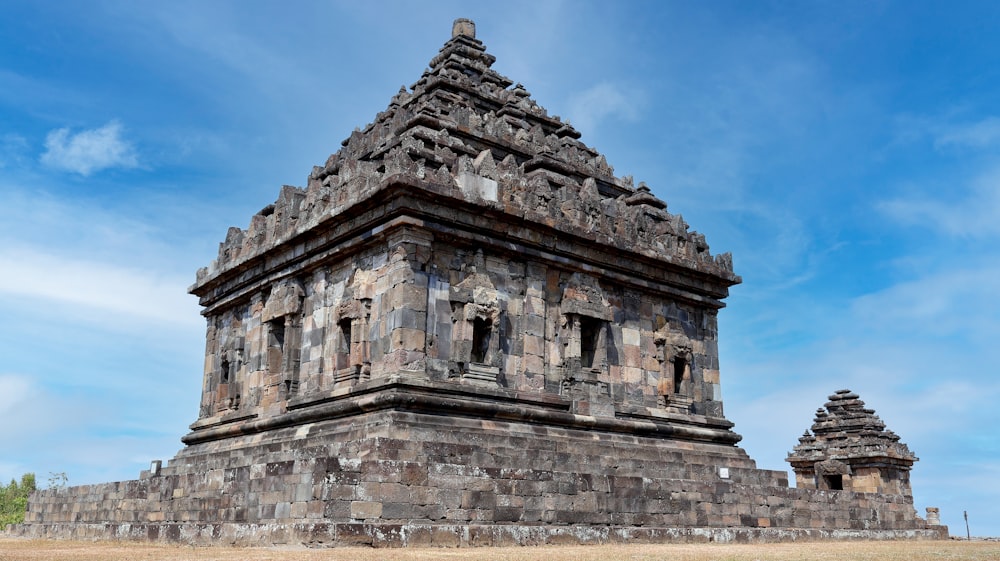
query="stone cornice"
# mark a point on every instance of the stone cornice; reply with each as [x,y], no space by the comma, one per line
[407,394]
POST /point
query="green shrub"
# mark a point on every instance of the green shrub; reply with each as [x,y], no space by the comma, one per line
[14,500]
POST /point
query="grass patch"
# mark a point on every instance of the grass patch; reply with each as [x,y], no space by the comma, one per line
[12,549]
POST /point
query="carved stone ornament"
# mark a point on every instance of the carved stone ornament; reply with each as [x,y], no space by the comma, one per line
[832,467]
[583,296]
[285,299]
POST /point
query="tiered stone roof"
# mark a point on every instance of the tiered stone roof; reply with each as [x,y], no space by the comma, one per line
[465,131]
[844,429]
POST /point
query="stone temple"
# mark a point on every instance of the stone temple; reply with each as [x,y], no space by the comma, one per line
[466,330]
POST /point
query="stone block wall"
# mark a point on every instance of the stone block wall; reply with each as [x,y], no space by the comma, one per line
[397,478]
[446,311]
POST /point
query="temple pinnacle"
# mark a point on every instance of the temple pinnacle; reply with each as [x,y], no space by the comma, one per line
[463,26]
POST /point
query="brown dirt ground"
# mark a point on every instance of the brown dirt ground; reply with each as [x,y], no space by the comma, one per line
[12,549]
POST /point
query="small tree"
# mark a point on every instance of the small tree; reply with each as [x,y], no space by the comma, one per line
[14,499]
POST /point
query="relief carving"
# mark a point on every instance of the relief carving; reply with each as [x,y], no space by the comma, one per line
[674,352]
[352,362]
[475,338]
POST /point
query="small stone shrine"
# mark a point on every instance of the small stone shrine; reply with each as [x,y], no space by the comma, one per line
[467,330]
[850,449]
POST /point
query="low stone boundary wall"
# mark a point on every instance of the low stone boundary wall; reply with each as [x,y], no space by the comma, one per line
[444,535]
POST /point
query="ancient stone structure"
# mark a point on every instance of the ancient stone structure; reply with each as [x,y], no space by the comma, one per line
[466,330]
[849,448]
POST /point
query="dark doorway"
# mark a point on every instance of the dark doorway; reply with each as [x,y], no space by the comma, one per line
[590,335]
[680,365]
[481,331]
[834,482]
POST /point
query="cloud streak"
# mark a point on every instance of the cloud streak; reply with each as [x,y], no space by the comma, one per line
[981,134]
[99,286]
[976,215]
[928,305]
[13,390]
[601,102]
[89,151]
[12,149]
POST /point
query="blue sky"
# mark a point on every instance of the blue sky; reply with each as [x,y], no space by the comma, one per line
[847,153]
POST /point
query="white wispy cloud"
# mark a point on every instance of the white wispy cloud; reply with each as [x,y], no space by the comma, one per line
[21,400]
[976,214]
[952,131]
[13,148]
[929,304]
[961,203]
[105,287]
[70,433]
[979,134]
[90,150]
[600,102]
[13,390]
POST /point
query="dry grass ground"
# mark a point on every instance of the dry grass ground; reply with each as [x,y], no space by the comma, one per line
[35,550]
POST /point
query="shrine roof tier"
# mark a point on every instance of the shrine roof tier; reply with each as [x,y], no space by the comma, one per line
[470,140]
[844,429]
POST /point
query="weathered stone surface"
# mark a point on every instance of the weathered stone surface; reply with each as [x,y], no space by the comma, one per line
[849,448]
[478,472]
[466,330]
